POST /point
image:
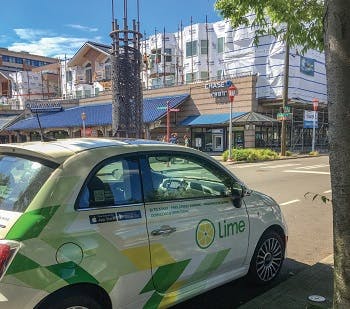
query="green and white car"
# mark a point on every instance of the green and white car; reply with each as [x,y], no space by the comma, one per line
[99,223]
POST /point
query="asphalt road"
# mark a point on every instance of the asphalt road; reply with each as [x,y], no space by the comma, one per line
[309,222]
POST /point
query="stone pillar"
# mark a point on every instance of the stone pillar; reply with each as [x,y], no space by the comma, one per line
[249,137]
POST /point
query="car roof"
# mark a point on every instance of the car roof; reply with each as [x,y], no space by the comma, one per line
[58,151]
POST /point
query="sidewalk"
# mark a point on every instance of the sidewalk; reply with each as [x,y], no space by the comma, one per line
[294,292]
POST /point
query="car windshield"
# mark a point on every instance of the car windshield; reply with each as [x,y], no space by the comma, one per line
[20,180]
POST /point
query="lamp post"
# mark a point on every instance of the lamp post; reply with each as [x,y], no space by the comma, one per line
[83,118]
[231,95]
[315,106]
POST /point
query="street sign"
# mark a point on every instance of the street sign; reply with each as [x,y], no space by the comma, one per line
[174,109]
[284,116]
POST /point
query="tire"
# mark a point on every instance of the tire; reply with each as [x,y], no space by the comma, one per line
[78,301]
[268,258]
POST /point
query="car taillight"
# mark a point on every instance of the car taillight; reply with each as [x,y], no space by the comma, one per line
[8,250]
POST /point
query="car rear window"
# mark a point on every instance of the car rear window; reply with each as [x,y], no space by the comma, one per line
[20,180]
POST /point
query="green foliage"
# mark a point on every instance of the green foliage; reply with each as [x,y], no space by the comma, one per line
[251,154]
[313,153]
[288,153]
[315,196]
[303,17]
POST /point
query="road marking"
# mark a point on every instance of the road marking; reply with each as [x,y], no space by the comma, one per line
[310,167]
[249,165]
[290,202]
[281,165]
[307,172]
[328,191]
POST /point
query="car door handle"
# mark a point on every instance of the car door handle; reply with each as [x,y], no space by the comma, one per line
[164,230]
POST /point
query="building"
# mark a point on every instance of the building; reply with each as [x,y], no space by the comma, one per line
[199,61]
[17,77]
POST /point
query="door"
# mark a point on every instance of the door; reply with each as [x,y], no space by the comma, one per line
[111,227]
[218,142]
[195,231]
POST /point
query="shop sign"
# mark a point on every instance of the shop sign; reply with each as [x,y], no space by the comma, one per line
[309,119]
[218,89]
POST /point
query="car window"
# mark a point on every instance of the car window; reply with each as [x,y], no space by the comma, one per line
[115,182]
[20,180]
[181,176]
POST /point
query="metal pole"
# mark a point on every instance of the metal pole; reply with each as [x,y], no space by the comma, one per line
[313,132]
[84,132]
[230,135]
[167,121]
[285,95]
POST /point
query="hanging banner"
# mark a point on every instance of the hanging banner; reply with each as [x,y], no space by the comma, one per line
[307,66]
[309,119]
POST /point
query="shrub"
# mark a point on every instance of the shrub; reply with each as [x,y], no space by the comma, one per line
[288,153]
[251,155]
[313,153]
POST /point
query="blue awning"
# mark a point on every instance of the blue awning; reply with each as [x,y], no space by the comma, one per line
[97,114]
[209,119]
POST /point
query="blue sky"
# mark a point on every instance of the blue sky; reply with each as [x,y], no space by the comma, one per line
[55,28]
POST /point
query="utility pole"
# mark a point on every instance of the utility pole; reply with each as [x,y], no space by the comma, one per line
[285,95]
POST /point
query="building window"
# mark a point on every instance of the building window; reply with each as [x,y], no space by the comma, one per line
[79,94]
[108,70]
[191,77]
[204,47]
[221,45]
[204,75]
[167,54]
[191,49]
[220,74]
[88,73]
[68,76]
[156,55]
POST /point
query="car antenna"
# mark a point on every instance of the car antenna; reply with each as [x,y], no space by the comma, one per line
[37,107]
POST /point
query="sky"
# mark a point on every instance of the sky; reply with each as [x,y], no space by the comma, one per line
[59,28]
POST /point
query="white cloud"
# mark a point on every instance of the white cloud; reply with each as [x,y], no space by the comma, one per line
[31,34]
[47,43]
[51,47]
[82,28]
[3,38]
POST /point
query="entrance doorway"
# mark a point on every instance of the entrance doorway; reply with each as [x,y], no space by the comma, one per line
[218,142]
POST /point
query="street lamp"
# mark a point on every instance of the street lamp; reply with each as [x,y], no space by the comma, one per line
[315,106]
[83,118]
[231,95]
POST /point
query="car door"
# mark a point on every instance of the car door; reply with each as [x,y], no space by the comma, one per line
[111,229]
[196,231]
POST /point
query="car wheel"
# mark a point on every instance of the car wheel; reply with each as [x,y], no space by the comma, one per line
[267,259]
[79,301]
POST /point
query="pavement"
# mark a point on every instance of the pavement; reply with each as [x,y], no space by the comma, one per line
[295,292]
[316,280]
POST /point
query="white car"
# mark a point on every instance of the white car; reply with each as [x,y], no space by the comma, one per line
[99,223]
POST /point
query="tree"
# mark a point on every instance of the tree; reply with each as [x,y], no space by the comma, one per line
[305,20]
[296,22]
[337,48]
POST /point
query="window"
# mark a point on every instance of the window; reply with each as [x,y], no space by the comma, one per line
[108,70]
[20,181]
[156,55]
[189,77]
[88,73]
[181,176]
[221,45]
[220,74]
[168,55]
[191,49]
[68,76]
[204,75]
[204,47]
[116,182]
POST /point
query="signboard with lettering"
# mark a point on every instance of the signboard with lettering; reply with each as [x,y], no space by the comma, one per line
[309,119]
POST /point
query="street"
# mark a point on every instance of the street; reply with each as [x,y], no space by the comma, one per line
[309,221]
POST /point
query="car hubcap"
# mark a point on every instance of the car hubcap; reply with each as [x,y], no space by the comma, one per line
[77,307]
[269,259]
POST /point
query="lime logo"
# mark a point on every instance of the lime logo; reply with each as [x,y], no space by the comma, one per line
[205,233]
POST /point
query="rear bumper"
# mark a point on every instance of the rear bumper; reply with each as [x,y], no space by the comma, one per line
[15,296]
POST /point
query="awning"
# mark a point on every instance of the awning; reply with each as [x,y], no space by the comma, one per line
[254,118]
[210,119]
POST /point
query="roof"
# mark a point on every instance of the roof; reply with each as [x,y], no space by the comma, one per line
[58,151]
[253,117]
[105,49]
[209,119]
[6,120]
[151,106]
[96,114]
